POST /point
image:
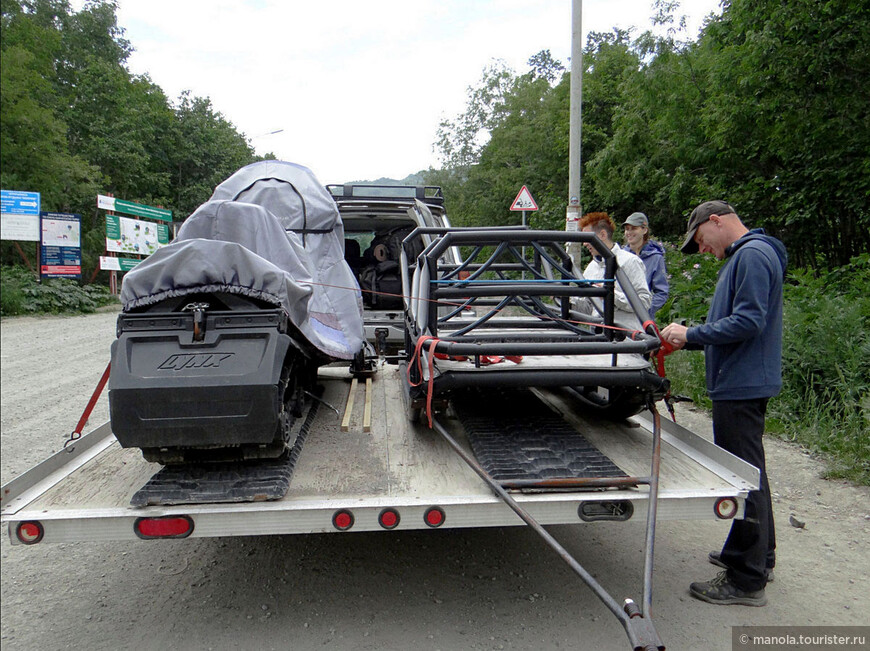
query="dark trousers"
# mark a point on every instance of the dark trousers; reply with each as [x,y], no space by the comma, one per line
[749,551]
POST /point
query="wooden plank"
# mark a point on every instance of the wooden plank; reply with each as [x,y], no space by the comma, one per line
[345,422]
[367,412]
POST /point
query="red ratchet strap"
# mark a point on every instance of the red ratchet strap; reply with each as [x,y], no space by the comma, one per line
[664,350]
[418,353]
[486,360]
[77,432]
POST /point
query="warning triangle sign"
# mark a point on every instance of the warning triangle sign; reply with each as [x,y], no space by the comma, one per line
[524,201]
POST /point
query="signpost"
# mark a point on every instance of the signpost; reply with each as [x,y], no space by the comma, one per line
[61,250]
[130,235]
[524,202]
[19,215]
[130,208]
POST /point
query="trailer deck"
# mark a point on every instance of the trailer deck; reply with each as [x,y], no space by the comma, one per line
[84,492]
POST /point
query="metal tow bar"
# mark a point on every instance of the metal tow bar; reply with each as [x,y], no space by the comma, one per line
[635,620]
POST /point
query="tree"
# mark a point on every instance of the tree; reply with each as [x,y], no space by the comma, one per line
[206,149]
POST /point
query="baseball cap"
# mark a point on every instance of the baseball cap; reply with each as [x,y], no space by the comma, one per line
[700,215]
[637,219]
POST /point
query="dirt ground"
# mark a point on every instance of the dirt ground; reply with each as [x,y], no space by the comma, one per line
[451,589]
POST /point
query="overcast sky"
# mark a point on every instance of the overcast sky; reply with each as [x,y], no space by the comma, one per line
[357,88]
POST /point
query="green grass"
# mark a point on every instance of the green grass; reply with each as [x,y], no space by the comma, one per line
[21,293]
[825,400]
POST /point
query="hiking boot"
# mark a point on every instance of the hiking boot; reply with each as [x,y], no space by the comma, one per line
[721,591]
[716,559]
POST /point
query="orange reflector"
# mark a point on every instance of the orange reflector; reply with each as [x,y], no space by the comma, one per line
[726,508]
[389,518]
[434,517]
[342,520]
[170,526]
[29,533]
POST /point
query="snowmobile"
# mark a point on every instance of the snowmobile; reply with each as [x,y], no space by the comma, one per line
[223,330]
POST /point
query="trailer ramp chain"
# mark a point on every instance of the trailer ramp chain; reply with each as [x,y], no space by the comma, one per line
[86,414]
[640,630]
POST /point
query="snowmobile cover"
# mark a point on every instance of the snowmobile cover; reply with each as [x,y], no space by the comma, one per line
[241,248]
[304,207]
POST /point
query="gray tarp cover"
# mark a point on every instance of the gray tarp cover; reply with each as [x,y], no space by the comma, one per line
[254,238]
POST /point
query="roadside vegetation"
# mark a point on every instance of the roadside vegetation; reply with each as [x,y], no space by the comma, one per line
[21,293]
[825,400]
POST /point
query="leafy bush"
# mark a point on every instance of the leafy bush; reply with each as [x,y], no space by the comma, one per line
[825,399]
[22,294]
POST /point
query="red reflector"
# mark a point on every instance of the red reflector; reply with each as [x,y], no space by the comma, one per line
[342,520]
[173,526]
[389,518]
[29,533]
[434,517]
[463,275]
[726,508]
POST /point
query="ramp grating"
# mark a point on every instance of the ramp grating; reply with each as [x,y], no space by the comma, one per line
[516,436]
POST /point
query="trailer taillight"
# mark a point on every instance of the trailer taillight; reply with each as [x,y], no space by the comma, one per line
[29,533]
[170,526]
[726,508]
[434,517]
[342,520]
[389,518]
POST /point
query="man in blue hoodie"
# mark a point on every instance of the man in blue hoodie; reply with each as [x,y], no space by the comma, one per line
[742,342]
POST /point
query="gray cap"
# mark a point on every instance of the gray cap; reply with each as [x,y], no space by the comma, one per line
[700,215]
[637,219]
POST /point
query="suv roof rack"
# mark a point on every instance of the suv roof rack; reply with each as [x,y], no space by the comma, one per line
[430,194]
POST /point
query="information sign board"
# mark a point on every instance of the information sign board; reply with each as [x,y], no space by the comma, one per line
[61,252]
[130,208]
[117,264]
[19,215]
[125,235]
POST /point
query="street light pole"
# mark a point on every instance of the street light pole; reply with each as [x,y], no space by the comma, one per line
[572,217]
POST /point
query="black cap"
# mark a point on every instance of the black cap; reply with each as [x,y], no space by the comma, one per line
[700,215]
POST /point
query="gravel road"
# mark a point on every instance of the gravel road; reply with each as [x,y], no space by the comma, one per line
[451,589]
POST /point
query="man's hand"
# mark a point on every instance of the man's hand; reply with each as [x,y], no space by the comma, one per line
[675,335]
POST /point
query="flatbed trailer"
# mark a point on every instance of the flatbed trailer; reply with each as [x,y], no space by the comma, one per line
[83,492]
[375,470]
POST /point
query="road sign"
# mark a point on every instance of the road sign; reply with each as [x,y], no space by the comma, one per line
[117,264]
[61,252]
[524,201]
[130,208]
[20,215]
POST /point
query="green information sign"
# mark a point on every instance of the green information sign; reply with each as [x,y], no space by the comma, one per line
[143,211]
[128,263]
[126,235]
[130,208]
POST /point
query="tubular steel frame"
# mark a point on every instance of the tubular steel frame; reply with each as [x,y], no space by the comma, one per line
[430,286]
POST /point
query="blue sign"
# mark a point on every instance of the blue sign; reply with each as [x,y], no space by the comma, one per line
[61,253]
[16,202]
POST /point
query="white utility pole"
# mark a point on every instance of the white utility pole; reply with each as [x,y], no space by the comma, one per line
[572,217]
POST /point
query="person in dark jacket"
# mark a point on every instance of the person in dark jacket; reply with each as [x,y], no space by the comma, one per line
[742,341]
[653,255]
